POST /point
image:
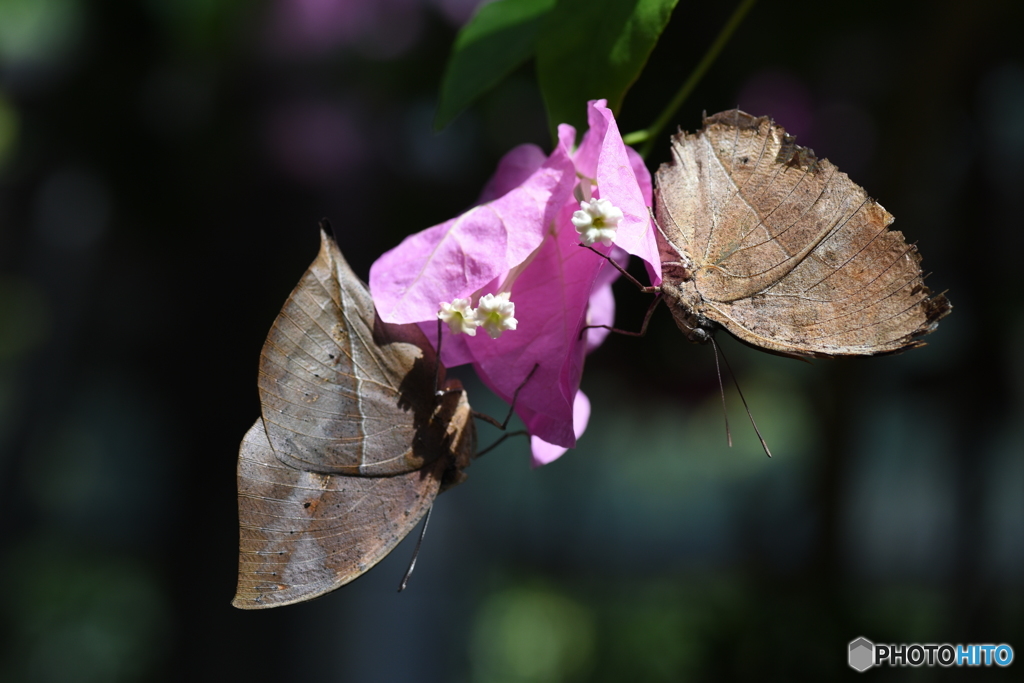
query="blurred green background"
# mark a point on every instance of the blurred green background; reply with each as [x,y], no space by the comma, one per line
[163,164]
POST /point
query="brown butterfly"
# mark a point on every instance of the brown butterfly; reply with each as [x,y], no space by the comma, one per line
[353,444]
[782,249]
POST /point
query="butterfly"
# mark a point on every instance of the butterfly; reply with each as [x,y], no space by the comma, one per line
[353,443]
[758,236]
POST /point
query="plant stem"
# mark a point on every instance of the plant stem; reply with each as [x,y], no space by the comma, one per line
[649,135]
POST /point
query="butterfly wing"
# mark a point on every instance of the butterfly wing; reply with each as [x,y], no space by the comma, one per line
[789,254]
[342,392]
[303,534]
[352,447]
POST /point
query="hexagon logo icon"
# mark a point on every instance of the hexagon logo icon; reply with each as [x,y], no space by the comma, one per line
[862,654]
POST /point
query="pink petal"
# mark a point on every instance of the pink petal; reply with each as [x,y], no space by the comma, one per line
[643,176]
[600,312]
[617,181]
[454,350]
[551,297]
[456,258]
[544,452]
[610,273]
[555,283]
[589,152]
[566,136]
[602,301]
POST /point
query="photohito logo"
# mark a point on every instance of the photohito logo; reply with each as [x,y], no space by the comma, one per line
[863,654]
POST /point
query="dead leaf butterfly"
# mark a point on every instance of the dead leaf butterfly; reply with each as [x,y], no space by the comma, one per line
[782,249]
[352,446]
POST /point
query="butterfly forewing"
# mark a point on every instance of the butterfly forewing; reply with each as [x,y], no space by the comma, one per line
[783,249]
[342,392]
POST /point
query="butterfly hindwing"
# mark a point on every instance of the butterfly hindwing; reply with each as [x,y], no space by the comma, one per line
[303,534]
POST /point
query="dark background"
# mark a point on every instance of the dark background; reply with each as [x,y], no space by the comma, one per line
[162,167]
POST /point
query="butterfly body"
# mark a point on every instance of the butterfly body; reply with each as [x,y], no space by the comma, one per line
[680,293]
[352,446]
[781,249]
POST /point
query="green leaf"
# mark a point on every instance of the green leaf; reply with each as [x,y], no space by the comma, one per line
[500,37]
[592,49]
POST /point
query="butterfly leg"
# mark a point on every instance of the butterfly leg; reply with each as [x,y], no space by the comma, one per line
[511,408]
[482,416]
[643,328]
[501,439]
[643,288]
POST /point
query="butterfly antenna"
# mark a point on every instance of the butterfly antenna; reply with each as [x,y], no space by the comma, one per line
[416,551]
[760,438]
[721,390]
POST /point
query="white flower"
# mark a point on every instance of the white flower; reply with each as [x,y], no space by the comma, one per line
[597,221]
[460,316]
[495,313]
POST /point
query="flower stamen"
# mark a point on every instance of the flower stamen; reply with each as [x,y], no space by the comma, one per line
[597,221]
[460,317]
[496,314]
